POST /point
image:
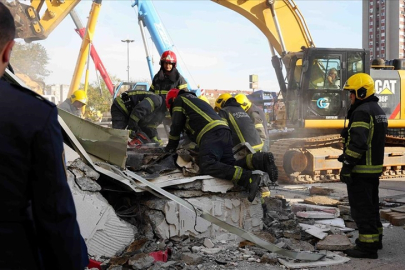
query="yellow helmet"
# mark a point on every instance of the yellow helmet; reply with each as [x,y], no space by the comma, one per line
[243,101]
[361,84]
[219,103]
[204,98]
[79,95]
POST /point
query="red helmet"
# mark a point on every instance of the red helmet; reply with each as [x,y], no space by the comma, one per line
[171,95]
[168,56]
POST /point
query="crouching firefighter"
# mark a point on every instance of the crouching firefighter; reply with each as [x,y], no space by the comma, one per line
[140,112]
[213,137]
[362,159]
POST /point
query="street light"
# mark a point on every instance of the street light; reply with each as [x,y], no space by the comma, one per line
[127,41]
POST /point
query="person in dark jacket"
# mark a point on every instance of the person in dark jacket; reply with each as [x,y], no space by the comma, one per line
[138,111]
[256,114]
[241,125]
[213,137]
[38,226]
[362,158]
[168,77]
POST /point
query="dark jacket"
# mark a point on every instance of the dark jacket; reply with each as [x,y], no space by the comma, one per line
[193,115]
[365,137]
[259,119]
[37,213]
[162,82]
[241,125]
[140,110]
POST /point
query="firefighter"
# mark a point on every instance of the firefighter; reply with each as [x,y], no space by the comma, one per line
[213,137]
[75,103]
[257,115]
[140,112]
[362,159]
[38,226]
[242,127]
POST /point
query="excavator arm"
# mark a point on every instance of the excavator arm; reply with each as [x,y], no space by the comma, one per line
[38,20]
[280,21]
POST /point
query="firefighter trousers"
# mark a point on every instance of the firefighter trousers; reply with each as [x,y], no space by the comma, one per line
[364,205]
[216,157]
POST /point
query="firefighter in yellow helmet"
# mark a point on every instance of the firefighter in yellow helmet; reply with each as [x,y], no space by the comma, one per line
[256,114]
[362,159]
[241,125]
[74,103]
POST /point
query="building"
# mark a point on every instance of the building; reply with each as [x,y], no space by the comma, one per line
[383,28]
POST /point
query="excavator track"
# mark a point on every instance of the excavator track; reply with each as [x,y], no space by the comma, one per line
[394,163]
[281,147]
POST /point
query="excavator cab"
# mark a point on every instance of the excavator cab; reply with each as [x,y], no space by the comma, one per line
[315,78]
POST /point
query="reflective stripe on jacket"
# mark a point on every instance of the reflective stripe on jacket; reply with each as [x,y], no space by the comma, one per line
[366,137]
[193,115]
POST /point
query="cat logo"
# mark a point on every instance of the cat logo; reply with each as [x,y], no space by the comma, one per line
[385,87]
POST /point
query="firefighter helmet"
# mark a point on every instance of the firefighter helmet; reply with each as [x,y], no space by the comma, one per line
[243,101]
[219,103]
[171,95]
[361,84]
[168,56]
[79,95]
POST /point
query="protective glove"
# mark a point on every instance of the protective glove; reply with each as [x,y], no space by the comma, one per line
[346,174]
[139,139]
[341,158]
[157,141]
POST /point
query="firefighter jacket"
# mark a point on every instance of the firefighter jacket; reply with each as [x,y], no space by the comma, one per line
[142,109]
[259,119]
[365,138]
[67,105]
[37,212]
[163,82]
[193,115]
[242,127]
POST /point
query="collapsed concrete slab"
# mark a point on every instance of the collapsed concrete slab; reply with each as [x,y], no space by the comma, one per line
[104,232]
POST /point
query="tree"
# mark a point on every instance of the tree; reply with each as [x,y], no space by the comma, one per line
[30,59]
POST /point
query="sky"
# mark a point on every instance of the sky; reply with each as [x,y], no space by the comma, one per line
[216,47]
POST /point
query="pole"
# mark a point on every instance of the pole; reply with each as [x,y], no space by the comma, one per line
[127,41]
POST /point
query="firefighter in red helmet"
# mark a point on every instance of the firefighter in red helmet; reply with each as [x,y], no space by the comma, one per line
[168,77]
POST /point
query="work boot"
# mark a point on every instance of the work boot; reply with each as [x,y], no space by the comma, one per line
[264,161]
[379,245]
[254,186]
[357,252]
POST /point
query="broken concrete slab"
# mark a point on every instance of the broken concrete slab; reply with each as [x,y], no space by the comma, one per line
[330,259]
[105,234]
[334,242]
[300,207]
[320,190]
[336,222]
[321,200]
[314,230]
[315,215]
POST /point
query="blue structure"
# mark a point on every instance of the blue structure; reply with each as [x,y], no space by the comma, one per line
[148,18]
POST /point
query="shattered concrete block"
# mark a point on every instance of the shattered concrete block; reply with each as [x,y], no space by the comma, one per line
[314,230]
[330,259]
[315,214]
[321,200]
[230,207]
[191,258]
[301,207]
[216,185]
[105,234]
[141,261]
[334,242]
[337,222]
[208,243]
[319,190]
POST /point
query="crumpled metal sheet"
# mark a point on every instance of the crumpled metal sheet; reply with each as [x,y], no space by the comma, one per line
[105,143]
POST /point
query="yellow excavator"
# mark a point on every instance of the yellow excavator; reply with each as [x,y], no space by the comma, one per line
[315,105]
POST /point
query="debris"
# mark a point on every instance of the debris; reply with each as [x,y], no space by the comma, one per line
[300,207]
[319,190]
[396,216]
[161,256]
[336,222]
[331,258]
[334,242]
[141,261]
[321,200]
[314,230]
[315,215]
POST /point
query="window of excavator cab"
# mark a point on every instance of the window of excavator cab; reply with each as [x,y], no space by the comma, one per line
[355,63]
[325,73]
